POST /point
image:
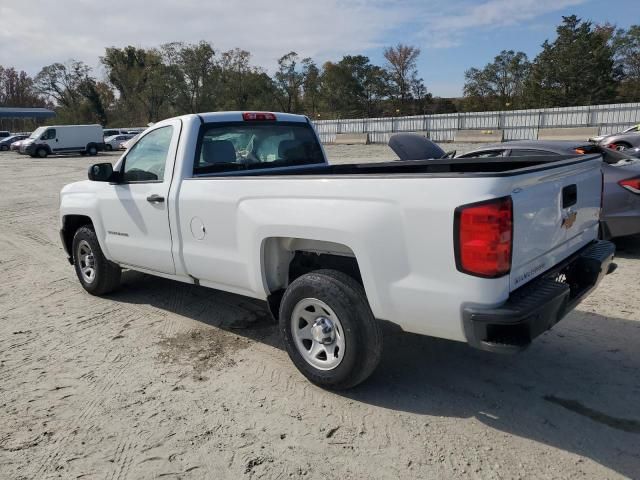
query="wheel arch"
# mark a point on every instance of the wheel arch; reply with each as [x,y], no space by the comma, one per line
[283,259]
[70,225]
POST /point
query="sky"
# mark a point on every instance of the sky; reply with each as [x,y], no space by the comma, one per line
[452,35]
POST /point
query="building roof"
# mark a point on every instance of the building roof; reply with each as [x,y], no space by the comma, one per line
[10,112]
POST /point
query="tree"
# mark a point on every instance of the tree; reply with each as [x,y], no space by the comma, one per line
[353,86]
[194,70]
[75,93]
[402,70]
[421,95]
[499,85]
[288,80]
[311,86]
[575,69]
[626,46]
[17,89]
[145,84]
[62,82]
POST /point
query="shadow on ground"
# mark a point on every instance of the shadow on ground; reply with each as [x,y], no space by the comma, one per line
[628,247]
[577,388]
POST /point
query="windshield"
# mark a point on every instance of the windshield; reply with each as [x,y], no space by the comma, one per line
[37,132]
[255,145]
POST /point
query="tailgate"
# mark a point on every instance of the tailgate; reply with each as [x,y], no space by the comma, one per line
[555,213]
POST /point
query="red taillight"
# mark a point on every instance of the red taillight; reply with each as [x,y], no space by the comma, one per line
[631,184]
[258,116]
[484,237]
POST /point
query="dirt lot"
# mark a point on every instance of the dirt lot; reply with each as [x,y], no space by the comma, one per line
[166,380]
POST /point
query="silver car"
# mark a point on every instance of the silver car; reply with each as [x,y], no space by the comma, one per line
[621,172]
[627,140]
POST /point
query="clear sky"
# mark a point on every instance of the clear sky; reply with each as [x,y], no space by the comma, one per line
[453,35]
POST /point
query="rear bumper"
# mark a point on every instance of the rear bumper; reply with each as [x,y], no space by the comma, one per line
[537,306]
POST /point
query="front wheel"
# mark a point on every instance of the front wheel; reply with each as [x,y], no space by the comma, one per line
[4,148]
[108,147]
[329,330]
[41,152]
[97,275]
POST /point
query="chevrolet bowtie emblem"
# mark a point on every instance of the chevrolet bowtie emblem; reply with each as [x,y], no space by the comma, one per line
[569,219]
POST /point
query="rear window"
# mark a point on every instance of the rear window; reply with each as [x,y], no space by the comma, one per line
[238,146]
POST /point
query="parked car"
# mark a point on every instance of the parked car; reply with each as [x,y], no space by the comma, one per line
[628,140]
[113,142]
[5,143]
[128,143]
[15,146]
[632,129]
[621,202]
[474,250]
[110,132]
[56,139]
[5,133]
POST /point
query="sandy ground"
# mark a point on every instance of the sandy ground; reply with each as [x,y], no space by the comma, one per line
[166,380]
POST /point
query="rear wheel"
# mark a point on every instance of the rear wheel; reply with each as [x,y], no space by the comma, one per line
[92,150]
[97,275]
[329,330]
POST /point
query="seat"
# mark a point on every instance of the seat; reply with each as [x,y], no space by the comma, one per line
[292,150]
[218,151]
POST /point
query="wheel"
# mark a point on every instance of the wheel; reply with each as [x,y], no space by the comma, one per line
[108,147]
[92,150]
[4,148]
[621,146]
[41,152]
[329,330]
[97,275]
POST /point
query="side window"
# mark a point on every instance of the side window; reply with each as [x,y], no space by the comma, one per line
[530,153]
[49,134]
[146,160]
[485,154]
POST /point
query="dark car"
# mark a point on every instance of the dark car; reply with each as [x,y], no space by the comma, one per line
[5,143]
[621,173]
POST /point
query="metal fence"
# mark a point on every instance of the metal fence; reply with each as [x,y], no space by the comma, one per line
[516,124]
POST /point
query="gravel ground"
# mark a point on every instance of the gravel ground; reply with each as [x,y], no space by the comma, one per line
[167,380]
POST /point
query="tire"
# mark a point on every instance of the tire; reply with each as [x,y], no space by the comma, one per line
[4,148]
[108,147]
[621,146]
[105,277]
[92,150]
[335,296]
[42,153]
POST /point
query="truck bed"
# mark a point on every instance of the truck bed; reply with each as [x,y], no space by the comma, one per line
[438,167]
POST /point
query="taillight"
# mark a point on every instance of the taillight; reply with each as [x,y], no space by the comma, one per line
[631,184]
[484,237]
[258,116]
[580,151]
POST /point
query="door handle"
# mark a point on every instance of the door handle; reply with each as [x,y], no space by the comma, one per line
[155,199]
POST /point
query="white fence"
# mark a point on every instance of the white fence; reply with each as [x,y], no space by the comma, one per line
[517,124]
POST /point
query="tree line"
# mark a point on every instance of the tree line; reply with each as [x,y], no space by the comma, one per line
[585,64]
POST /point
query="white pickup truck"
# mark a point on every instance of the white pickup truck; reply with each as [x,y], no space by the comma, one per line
[486,251]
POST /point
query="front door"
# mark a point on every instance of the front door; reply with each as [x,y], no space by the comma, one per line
[135,211]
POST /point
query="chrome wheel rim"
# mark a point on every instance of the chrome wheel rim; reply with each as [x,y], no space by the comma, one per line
[86,261]
[317,334]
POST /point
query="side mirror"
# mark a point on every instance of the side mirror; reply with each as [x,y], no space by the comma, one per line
[101,172]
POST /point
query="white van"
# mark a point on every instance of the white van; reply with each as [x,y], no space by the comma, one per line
[83,139]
